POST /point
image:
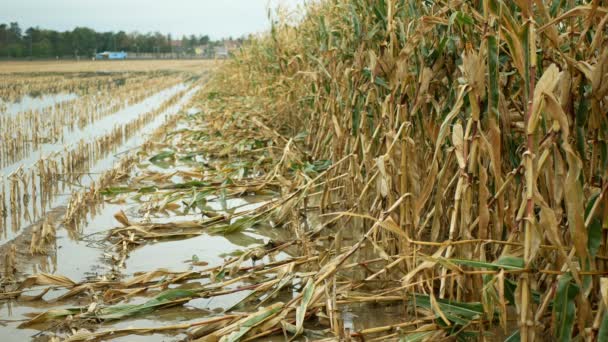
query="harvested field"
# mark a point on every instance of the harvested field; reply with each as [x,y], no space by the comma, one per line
[195,66]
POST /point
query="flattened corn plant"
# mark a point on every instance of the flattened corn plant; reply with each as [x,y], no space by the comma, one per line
[475,134]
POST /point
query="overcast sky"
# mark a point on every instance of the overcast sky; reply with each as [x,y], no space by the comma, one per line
[217,18]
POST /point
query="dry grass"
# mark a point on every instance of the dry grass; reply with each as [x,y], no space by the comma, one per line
[195,66]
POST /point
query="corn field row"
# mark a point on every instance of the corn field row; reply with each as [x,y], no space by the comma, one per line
[83,204]
[13,87]
[470,147]
[27,131]
[27,193]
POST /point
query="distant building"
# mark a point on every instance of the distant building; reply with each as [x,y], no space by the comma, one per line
[226,48]
[111,55]
[231,45]
[202,50]
[221,52]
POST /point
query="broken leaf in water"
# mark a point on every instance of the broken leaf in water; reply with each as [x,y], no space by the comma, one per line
[161,159]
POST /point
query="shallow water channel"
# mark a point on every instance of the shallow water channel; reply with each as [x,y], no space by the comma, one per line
[90,133]
[29,102]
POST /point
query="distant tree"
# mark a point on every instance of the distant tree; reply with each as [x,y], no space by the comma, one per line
[14,33]
[55,39]
[42,48]
[67,44]
[122,41]
[37,42]
[3,40]
[83,41]
[15,50]
[105,41]
[160,43]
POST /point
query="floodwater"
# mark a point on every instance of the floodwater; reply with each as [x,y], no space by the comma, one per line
[98,129]
[86,259]
[82,259]
[86,255]
[29,102]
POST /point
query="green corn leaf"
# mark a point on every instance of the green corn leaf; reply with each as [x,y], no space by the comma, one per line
[493,74]
[252,321]
[238,225]
[456,312]
[160,159]
[564,308]
[602,334]
[113,191]
[162,156]
[595,228]
[507,263]
[166,298]
[307,294]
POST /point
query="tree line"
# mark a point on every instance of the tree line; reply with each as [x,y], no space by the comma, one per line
[85,42]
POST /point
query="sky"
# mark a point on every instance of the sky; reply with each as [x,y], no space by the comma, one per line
[216,18]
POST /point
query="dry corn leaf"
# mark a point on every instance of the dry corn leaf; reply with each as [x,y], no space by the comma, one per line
[42,279]
[122,218]
[458,142]
[573,195]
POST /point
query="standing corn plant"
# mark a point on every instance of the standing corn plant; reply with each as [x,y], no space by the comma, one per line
[477,143]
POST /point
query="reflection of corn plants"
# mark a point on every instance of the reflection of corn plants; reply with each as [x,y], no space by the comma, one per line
[42,236]
[82,203]
[3,211]
[10,262]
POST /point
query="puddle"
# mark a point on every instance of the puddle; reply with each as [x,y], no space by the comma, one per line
[359,317]
[173,255]
[12,314]
[82,260]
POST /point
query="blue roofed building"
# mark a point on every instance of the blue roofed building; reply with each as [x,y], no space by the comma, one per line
[111,55]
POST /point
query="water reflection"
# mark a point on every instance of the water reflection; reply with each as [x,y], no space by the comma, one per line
[30,102]
[15,219]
